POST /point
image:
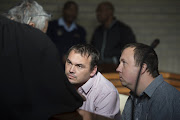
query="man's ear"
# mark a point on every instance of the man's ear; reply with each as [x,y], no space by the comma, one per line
[144,68]
[93,72]
[31,24]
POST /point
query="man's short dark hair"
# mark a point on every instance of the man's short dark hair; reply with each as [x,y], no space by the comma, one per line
[69,3]
[151,60]
[87,50]
[108,5]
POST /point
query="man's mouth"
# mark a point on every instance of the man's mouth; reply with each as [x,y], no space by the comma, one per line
[70,76]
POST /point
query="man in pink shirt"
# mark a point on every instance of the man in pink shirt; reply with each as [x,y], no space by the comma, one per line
[101,97]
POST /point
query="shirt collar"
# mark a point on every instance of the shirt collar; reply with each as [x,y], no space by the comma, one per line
[113,22]
[88,85]
[61,22]
[152,87]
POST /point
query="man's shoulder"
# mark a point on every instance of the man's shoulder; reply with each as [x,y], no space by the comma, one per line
[81,28]
[166,97]
[120,24]
[53,21]
[53,24]
[27,31]
[167,92]
[105,83]
[170,89]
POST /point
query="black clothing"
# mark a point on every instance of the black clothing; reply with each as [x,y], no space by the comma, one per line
[110,41]
[32,83]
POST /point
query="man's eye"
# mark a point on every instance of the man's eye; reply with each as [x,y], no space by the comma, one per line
[68,62]
[123,62]
[79,66]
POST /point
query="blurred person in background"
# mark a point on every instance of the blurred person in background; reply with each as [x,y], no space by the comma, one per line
[111,35]
[65,32]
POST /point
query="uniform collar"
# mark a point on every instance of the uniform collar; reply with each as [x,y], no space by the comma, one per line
[73,26]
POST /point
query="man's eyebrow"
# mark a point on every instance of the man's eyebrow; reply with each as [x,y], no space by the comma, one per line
[68,60]
[80,64]
[75,64]
[122,59]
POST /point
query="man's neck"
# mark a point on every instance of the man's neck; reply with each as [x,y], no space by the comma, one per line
[144,82]
[108,23]
[68,24]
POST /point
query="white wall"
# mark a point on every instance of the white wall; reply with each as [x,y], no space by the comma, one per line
[149,19]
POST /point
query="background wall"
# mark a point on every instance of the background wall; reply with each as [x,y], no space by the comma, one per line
[149,19]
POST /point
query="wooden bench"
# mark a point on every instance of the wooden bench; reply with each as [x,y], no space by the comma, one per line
[173,79]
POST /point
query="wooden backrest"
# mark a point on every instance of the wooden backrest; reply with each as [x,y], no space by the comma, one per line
[173,79]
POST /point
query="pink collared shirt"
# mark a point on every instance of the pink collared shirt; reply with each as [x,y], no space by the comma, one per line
[101,97]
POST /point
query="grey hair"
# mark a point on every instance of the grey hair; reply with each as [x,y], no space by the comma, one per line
[29,11]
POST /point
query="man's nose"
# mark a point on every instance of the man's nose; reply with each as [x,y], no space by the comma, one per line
[72,69]
[119,68]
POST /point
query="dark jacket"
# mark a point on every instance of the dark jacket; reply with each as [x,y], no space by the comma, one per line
[64,39]
[116,36]
[32,83]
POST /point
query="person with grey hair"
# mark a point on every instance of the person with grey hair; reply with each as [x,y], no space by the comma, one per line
[31,13]
[33,85]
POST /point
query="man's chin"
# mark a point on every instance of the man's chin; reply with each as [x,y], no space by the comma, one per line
[123,84]
[71,81]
